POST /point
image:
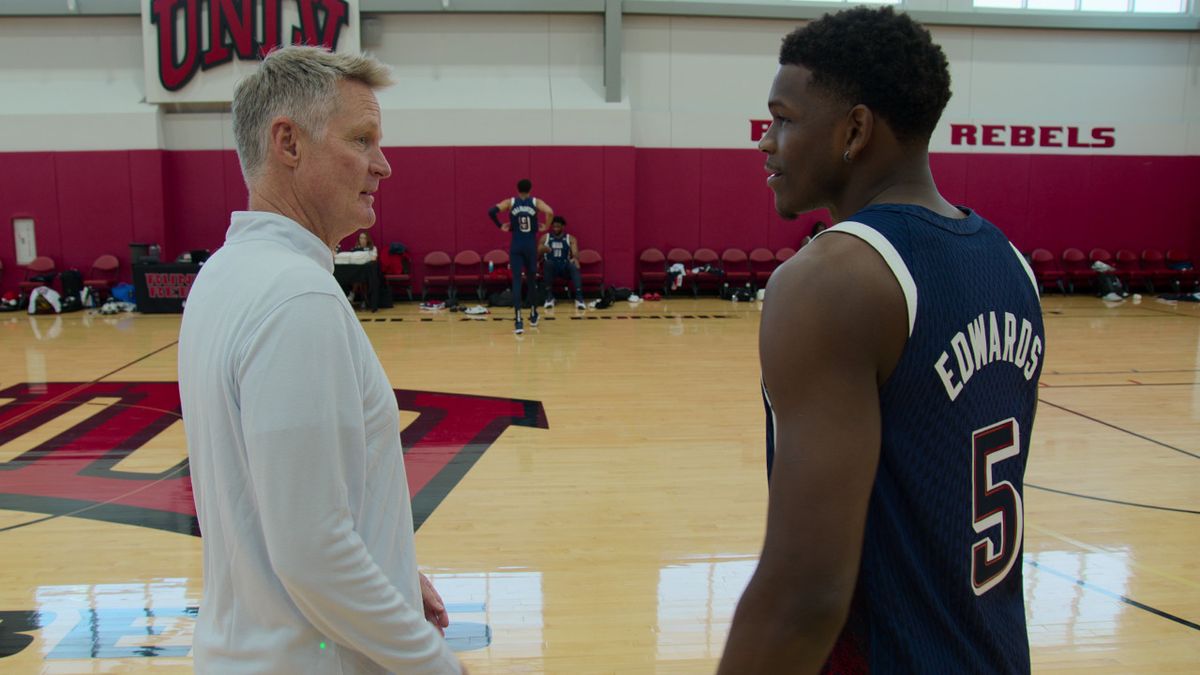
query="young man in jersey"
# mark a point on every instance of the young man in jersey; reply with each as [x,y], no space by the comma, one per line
[562,260]
[523,223]
[900,355]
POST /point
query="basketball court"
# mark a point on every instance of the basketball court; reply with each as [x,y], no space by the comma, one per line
[590,496]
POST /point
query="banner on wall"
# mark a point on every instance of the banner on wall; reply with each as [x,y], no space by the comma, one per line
[196,50]
[968,137]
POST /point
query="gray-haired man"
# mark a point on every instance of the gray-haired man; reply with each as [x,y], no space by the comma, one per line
[292,426]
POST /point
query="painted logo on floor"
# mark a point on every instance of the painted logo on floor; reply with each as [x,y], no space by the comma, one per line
[75,471]
[79,435]
[162,632]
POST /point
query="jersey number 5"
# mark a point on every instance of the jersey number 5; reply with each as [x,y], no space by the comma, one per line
[994,505]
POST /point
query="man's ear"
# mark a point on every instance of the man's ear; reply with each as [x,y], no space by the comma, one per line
[860,125]
[285,141]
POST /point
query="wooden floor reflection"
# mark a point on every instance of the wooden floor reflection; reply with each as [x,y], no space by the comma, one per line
[615,537]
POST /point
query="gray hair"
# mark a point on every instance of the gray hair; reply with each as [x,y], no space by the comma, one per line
[297,82]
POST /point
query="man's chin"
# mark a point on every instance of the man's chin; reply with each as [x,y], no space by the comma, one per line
[785,211]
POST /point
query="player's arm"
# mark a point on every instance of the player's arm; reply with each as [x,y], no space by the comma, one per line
[301,418]
[494,212]
[574,248]
[544,245]
[834,321]
[548,212]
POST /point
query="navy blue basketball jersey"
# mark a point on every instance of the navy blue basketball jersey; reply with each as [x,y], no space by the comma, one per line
[940,586]
[522,220]
[560,248]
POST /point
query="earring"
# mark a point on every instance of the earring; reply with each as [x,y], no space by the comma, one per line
[846,156]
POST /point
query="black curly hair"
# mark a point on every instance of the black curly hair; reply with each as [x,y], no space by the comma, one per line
[881,59]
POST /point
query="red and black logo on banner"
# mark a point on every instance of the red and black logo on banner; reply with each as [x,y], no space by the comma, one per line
[249,29]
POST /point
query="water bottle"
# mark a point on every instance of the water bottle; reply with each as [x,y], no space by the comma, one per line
[491,266]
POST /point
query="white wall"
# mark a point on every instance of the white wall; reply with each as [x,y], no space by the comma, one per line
[529,79]
[74,84]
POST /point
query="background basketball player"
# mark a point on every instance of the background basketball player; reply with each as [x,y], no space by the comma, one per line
[900,354]
[523,223]
[561,251]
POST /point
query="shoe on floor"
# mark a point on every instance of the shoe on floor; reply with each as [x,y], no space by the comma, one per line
[533,318]
[518,326]
[579,305]
[548,304]
[1112,297]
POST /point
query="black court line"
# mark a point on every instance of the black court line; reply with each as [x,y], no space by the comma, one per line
[590,317]
[1121,429]
[1116,596]
[1165,312]
[1113,501]
[1129,371]
[1154,315]
[135,361]
[92,506]
[1120,384]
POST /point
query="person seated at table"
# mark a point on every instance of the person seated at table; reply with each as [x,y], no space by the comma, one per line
[365,244]
[359,289]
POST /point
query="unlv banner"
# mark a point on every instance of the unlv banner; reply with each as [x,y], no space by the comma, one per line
[196,50]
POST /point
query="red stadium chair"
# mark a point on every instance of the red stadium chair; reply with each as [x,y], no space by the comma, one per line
[1046,270]
[1077,268]
[103,275]
[437,273]
[468,273]
[736,266]
[679,256]
[783,254]
[497,275]
[762,264]
[395,275]
[1154,264]
[707,281]
[651,270]
[1180,263]
[39,266]
[1130,272]
[591,270]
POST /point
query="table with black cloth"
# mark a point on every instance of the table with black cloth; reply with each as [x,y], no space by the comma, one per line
[370,275]
[160,289]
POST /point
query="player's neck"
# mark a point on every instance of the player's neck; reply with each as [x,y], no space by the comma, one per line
[898,180]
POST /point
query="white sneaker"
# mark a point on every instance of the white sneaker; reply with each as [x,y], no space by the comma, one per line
[548,304]
[1112,297]
[579,305]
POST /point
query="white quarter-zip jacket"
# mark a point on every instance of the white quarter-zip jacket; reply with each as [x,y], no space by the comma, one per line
[294,443]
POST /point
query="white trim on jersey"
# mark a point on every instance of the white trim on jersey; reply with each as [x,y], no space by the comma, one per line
[771,407]
[1037,291]
[890,256]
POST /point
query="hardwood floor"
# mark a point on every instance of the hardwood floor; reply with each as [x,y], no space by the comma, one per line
[590,496]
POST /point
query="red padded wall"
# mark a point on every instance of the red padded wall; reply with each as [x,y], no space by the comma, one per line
[619,200]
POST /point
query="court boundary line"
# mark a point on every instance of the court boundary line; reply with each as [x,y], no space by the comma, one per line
[1164,312]
[1127,371]
[1121,429]
[1120,384]
[1114,595]
[1111,501]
